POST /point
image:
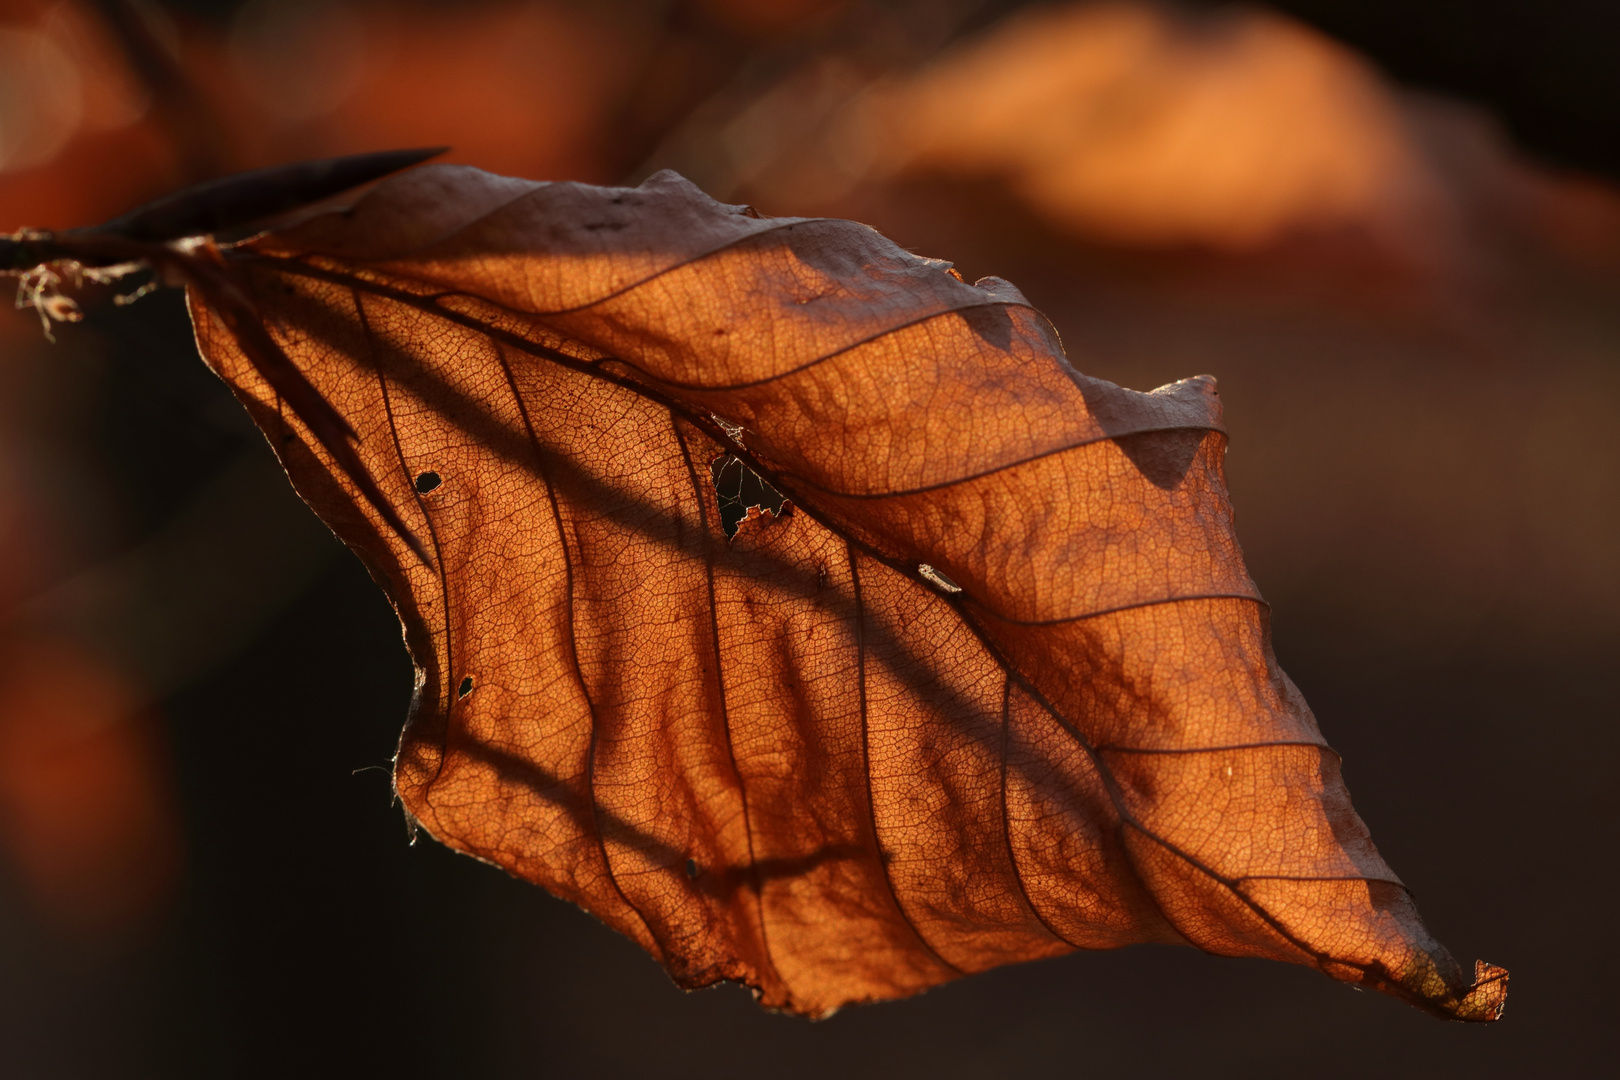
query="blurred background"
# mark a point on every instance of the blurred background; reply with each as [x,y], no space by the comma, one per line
[1390,229]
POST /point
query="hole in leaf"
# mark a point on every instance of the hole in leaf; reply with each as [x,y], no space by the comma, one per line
[734,432]
[937,579]
[692,869]
[427,482]
[737,488]
[465,688]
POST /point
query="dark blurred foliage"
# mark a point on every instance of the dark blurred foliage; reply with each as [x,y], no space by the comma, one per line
[1546,69]
[1416,332]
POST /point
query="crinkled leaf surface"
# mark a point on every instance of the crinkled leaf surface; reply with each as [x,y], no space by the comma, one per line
[991,683]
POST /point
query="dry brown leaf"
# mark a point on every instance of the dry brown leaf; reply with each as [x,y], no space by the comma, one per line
[1146,125]
[992,684]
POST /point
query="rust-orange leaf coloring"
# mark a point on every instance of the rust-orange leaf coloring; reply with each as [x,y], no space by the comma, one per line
[991,684]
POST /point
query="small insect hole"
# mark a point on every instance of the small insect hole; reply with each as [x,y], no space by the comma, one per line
[734,432]
[692,869]
[427,482]
[465,688]
[737,489]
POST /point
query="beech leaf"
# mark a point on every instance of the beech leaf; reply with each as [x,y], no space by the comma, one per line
[796,608]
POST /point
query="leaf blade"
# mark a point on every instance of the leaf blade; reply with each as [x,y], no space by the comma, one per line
[879,784]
